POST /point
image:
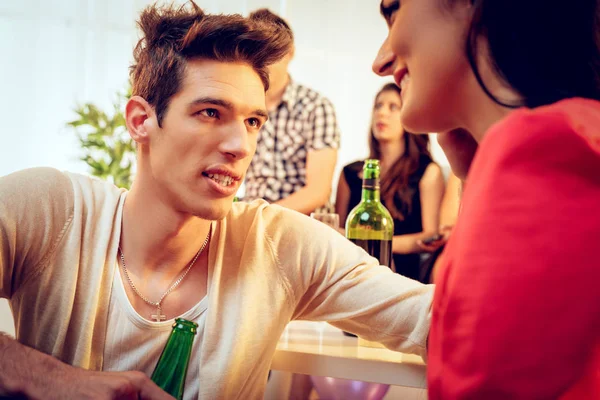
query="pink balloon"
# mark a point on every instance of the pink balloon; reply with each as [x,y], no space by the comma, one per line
[344,389]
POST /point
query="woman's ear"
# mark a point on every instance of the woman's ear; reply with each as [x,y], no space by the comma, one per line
[139,118]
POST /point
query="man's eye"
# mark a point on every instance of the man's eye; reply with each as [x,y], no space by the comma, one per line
[210,113]
[254,122]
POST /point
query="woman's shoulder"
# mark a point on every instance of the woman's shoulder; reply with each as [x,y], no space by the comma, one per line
[558,140]
[568,120]
[354,166]
[425,160]
[353,170]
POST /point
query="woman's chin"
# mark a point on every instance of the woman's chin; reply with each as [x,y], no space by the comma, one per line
[423,120]
[383,138]
[417,123]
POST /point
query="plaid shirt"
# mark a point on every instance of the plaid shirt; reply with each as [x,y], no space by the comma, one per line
[304,121]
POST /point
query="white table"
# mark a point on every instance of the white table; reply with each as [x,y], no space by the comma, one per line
[316,348]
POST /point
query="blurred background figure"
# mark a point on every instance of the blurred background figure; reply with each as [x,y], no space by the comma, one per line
[448,216]
[412,185]
[297,147]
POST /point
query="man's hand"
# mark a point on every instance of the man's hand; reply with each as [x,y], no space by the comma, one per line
[114,385]
[31,374]
[82,384]
[460,148]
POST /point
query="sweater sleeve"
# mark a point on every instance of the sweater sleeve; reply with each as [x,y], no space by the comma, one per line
[517,309]
[36,207]
[333,280]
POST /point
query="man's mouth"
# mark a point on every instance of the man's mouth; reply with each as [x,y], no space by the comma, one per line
[223,180]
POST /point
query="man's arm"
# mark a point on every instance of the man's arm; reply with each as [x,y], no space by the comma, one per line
[25,372]
[320,165]
[331,279]
[322,141]
[36,206]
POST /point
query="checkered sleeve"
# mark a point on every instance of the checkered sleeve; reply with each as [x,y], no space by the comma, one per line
[322,130]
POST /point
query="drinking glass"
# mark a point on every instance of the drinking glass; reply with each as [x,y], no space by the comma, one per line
[331,219]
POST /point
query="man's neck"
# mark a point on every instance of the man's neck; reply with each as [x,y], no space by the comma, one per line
[274,95]
[154,236]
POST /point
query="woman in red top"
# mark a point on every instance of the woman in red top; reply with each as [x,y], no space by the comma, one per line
[513,88]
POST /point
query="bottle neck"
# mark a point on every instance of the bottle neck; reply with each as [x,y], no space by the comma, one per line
[370,190]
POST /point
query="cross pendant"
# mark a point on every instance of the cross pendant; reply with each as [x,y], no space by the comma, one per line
[158,316]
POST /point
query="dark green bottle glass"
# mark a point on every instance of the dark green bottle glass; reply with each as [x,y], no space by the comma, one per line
[370,225]
[171,370]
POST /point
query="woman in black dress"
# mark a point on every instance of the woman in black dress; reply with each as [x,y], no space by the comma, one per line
[412,185]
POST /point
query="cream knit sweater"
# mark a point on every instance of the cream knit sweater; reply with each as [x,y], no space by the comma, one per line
[59,234]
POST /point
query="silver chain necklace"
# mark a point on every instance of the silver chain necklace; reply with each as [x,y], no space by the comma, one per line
[159,316]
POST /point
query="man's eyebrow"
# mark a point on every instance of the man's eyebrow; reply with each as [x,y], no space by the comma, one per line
[261,113]
[214,101]
[226,105]
[387,11]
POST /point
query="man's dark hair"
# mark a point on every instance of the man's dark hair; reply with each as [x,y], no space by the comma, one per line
[278,24]
[173,35]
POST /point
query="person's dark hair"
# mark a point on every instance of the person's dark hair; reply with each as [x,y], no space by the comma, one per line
[547,50]
[173,35]
[394,183]
[266,16]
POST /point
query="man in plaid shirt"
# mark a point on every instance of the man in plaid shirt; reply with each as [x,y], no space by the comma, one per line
[297,147]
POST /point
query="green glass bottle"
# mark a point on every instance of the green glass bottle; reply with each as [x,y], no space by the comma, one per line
[370,225]
[171,370]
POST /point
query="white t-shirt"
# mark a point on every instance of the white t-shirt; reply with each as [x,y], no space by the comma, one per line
[267,265]
[134,343]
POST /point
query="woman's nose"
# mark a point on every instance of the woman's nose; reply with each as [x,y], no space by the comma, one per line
[385,60]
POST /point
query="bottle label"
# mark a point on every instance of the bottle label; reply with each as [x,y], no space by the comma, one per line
[372,183]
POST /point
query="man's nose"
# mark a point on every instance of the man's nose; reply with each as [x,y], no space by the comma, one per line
[385,60]
[236,143]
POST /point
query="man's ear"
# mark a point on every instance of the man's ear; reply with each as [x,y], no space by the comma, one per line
[140,118]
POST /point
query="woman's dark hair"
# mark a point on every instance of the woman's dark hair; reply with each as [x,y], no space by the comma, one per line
[547,50]
[394,184]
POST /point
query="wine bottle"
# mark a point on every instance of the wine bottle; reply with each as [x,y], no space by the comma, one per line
[171,370]
[369,224]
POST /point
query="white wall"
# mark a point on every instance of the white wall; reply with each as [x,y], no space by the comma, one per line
[57,53]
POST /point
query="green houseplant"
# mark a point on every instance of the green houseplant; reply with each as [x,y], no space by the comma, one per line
[106,146]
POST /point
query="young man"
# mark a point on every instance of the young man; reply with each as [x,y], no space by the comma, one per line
[297,148]
[95,274]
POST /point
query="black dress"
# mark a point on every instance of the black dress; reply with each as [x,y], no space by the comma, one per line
[406,264]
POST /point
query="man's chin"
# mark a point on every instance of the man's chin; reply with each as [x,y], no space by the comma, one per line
[212,214]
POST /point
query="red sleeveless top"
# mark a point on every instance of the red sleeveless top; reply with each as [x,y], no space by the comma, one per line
[516,312]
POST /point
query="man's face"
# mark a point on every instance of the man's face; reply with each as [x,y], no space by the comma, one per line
[198,158]
[425,52]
